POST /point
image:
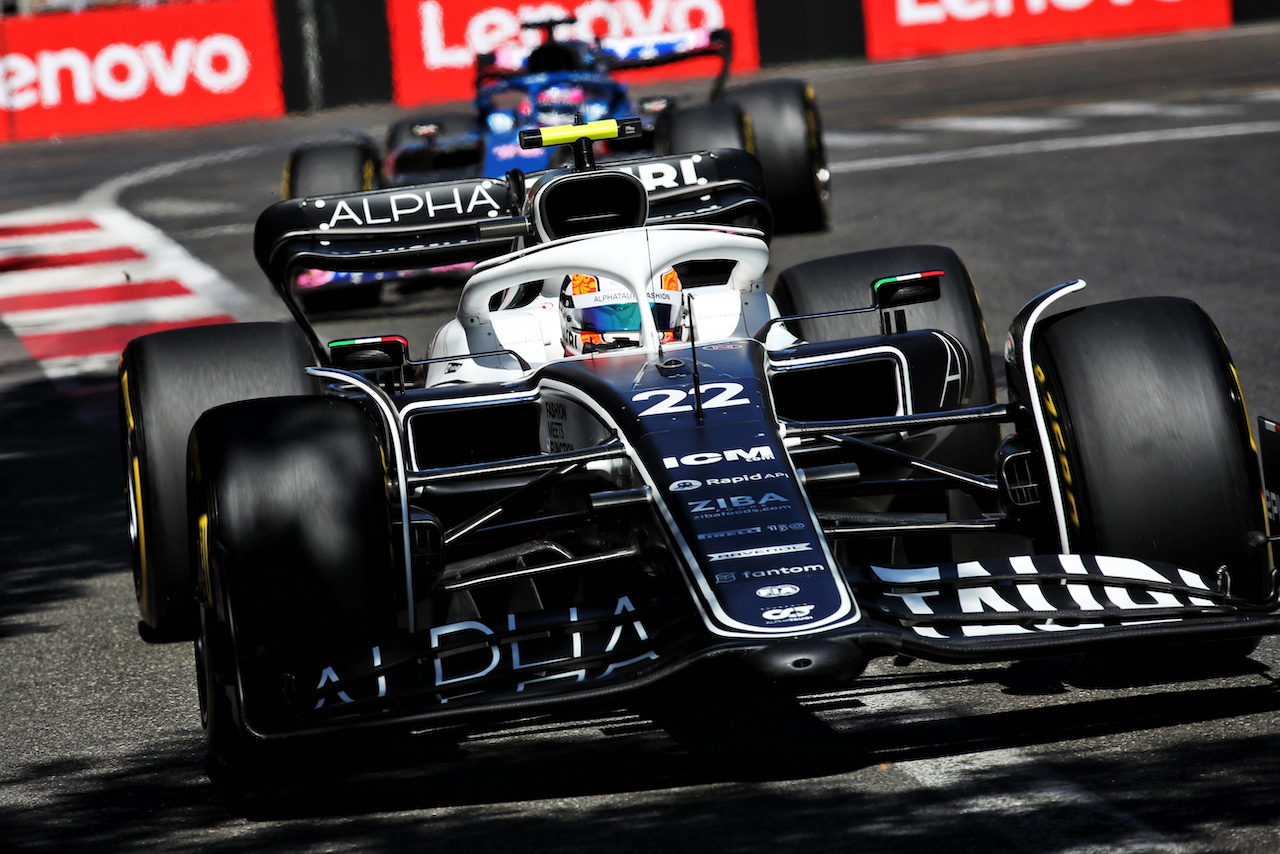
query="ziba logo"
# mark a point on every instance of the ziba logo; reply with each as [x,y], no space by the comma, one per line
[219,64]
[737,502]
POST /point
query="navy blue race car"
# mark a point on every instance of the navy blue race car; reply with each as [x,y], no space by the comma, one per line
[626,465]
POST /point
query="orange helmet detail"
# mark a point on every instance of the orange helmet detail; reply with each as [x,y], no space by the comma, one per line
[580,284]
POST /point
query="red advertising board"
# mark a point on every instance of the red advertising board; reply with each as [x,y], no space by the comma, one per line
[897,29]
[172,65]
[434,43]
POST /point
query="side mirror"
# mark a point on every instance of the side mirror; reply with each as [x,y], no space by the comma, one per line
[907,289]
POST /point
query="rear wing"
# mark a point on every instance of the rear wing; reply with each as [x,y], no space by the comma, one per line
[433,225]
[621,54]
[638,52]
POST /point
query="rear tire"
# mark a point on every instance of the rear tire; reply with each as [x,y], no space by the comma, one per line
[1155,459]
[786,132]
[717,125]
[324,170]
[844,281]
[329,168]
[166,380]
[290,528]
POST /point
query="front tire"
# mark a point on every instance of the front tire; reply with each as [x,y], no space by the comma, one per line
[290,528]
[1152,444]
[166,381]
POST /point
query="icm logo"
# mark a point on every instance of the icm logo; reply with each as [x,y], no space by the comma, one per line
[777,591]
[686,485]
[704,458]
[788,614]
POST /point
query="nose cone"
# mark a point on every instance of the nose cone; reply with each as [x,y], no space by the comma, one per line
[811,662]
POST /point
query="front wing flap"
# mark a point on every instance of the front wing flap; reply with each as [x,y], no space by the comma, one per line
[991,609]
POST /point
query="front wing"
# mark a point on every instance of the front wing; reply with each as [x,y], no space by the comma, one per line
[984,610]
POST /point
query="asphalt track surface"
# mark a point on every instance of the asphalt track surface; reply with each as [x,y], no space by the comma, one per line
[1145,167]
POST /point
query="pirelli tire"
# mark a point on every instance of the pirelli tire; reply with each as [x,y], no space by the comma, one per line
[706,126]
[1151,443]
[786,137]
[290,527]
[166,380]
[329,168]
[845,281]
[323,169]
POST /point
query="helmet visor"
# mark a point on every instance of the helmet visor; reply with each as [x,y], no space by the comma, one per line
[665,315]
[614,317]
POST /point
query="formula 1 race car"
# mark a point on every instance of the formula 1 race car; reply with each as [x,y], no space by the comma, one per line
[549,85]
[624,459]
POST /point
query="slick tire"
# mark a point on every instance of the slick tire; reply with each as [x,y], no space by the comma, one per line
[844,281]
[786,133]
[323,170]
[290,529]
[716,125]
[166,380]
[1153,450]
[331,167]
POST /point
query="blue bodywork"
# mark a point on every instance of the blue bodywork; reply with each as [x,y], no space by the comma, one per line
[533,100]
[551,85]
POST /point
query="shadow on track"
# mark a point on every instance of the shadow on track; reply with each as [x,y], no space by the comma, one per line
[62,515]
[619,783]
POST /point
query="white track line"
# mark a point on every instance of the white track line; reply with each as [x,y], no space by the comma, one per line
[1045,146]
[993,124]
[83,325]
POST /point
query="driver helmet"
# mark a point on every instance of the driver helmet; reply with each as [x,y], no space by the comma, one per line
[601,314]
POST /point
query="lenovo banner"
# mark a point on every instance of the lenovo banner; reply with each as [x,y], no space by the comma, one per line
[897,29]
[122,69]
[434,43]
